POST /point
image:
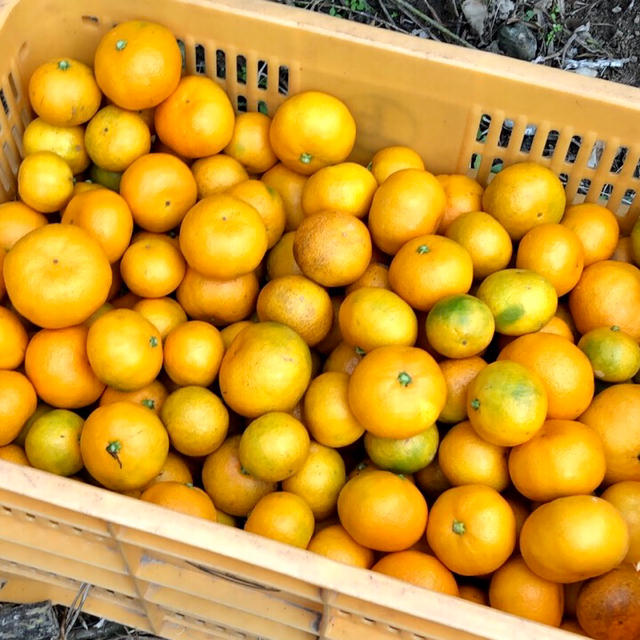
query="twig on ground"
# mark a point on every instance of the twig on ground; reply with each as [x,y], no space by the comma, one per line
[597,64]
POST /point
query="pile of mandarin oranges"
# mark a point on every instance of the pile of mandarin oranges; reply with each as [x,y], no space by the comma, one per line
[220,314]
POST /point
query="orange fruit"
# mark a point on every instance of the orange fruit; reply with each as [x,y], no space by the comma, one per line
[174,469]
[57,276]
[45,182]
[18,401]
[517,590]
[104,178]
[63,92]
[284,517]
[279,381]
[223,237]
[396,391]
[565,371]
[558,326]
[346,187]
[574,538]
[124,349]
[574,461]
[13,340]
[231,331]
[625,496]
[382,511]
[197,119]
[332,248]
[182,497]
[375,275]
[524,196]
[343,359]
[334,337]
[429,268]
[418,568]
[192,353]
[16,220]
[152,396]
[300,304]
[160,189]
[615,415]
[56,363]
[249,144]
[217,174]
[388,160]
[114,138]
[218,301]
[465,458]
[463,195]
[458,375]
[289,185]
[410,203]
[624,251]
[596,228]
[506,403]
[232,490]
[614,354]
[473,594]
[163,313]
[607,295]
[67,142]
[267,202]
[41,409]
[82,186]
[372,317]
[124,446]
[336,544]
[404,455]
[471,529]
[150,235]
[280,260]
[311,130]
[15,453]
[138,64]
[431,480]
[555,252]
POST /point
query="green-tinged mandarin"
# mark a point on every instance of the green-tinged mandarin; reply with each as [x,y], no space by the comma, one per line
[406,455]
[614,354]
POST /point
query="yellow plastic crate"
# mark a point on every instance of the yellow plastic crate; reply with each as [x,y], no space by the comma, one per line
[464,111]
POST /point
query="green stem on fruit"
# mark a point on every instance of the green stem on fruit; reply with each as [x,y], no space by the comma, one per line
[149,403]
[615,328]
[113,449]
[404,378]
[458,527]
[153,341]
[63,65]
[423,248]
[359,350]
[306,158]
[121,44]
[475,404]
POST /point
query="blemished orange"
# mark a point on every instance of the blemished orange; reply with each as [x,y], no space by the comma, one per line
[218,301]
[138,64]
[13,339]
[280,381]
[193,353]
[614,354]
[15,453]
[382,511]
[326,411]
[463,195]
[231,490]
[458,375]
[555,252]
[596,228]
[280,260]
[45,182]
[182,497]
[64,92]
[114,138]
[160,189]
[410,203]
[523,196]
[517,590]
[332,248]
[152,396]
[163,313]
[284,517]
[347,187]
[375,275]
[429,268]
[403,455]
[124,445]
[299,303]
[174,469]
[16,220]
[197,119]
[311,130]
[57,276]
[232,330]
[565,371]
[625,496]
[607,295]
[388,160]
[574,538]
[418,568]
[336,544]
[18,401]
[486,240]
[106,216]
[290,186]
[574,461]
[124,349]
[249,144]
[465,458]
[56,363]
[223,237]
[267,202]
[343,358]
[152,268]
[396,391]
[506,403]
[372,317]
[615,415]
[471,529]
[431,480]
